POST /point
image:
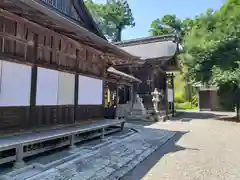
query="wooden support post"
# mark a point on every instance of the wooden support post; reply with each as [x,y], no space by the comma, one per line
[76,84]
[33,90]
[19,157]
[103,98]
[132,98]
[153,80]
[166,96]
[104,85]
[117,99]
[173,104]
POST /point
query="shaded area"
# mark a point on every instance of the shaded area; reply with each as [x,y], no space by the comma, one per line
[60,153]
[112,160]
[231,119]
[141,123]
[186,116]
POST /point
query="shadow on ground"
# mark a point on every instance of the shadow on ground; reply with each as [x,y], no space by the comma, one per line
[230,119]
[123,150]
[144,167]
[186,116]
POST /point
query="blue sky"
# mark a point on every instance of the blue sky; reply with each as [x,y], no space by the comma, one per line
[145,11]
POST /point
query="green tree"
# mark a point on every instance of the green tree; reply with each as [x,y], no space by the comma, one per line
[211,44]
[112,17]
[166,25]
[170,24]
[213,47]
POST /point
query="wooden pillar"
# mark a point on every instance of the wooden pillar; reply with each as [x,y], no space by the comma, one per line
[153,80]
[76,85]
[103,97]
[166,95]
[173,103]
[124,94]
[33,90]
[132,98]
[104,71]
[117,99]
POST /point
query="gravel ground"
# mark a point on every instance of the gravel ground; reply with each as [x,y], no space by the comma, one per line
[203,149]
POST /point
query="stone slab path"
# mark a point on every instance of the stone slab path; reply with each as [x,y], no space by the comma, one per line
[112,160]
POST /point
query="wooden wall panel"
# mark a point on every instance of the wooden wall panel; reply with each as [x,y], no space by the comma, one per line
[14,119]
[66,114]
[89,112]
[50,116]
[54,50]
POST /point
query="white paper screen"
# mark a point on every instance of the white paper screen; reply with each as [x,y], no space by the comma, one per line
[15,84]
[90,91]
[47,87]
[66,88]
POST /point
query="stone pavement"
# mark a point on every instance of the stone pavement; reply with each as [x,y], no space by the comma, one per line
[208,151]
[111,160]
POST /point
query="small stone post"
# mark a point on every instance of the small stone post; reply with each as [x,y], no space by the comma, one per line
[103,134]
[19,157]
[72,141]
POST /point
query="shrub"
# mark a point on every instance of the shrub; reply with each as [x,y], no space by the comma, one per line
[185,105]
[179,97]
[194,100]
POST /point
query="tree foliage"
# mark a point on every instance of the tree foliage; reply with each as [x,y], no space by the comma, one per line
[112,17]
[170,24]
[211,44]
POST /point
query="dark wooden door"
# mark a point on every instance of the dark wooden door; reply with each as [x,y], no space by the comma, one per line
[204,100]
[110,112]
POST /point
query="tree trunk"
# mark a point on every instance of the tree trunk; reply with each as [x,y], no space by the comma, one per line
[118,36]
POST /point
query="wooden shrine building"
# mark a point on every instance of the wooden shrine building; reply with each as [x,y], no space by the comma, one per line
[158,57]
[56,71]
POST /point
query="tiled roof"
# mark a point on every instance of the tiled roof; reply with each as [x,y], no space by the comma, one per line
[151,47]
[120,73]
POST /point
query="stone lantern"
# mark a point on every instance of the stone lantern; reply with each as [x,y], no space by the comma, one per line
[156,99]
